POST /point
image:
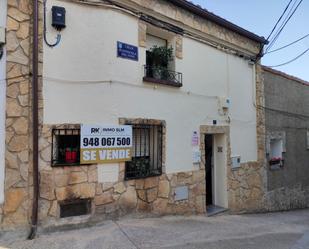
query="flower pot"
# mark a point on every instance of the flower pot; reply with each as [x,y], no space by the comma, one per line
[70,156]
[157,72]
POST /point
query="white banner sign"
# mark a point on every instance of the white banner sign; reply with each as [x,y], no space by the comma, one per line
[105,144]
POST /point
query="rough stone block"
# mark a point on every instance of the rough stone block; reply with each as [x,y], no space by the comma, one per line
[46,185]
[103,199]
[164,189]
[128,199]
[152,194]
[77,177]
[13,199]
[87,190]
[151,182]
[119,188]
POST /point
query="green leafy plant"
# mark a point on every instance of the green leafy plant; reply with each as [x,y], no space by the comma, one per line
[161,56]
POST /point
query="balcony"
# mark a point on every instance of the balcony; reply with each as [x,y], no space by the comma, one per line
[161,75]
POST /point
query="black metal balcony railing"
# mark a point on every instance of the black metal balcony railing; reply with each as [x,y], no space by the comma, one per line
[162,75]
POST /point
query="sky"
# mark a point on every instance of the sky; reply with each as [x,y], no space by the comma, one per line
[259,17]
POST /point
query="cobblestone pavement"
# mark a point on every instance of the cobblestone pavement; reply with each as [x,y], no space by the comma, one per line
[284,230]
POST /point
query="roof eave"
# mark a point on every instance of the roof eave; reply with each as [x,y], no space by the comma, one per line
[218,20]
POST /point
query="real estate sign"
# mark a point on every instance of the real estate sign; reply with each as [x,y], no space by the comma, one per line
[105,144]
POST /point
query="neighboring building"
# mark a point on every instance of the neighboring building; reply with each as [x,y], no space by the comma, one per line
[194,112]
[287,140]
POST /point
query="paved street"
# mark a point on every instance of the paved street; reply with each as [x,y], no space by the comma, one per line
[285,230]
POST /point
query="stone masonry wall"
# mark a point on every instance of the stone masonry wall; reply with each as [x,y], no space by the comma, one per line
[247,185]
[152,195]
[16,205]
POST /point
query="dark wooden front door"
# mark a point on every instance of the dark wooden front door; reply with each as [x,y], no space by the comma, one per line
[209,173]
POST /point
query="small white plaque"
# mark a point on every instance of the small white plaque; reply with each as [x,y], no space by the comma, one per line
[196,156]
[108,172]
[195,138]
[236,160]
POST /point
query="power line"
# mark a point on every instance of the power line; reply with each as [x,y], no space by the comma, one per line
[275,50]
[286,113]
[287,19]
[284,21]
[294,59]
[286,8]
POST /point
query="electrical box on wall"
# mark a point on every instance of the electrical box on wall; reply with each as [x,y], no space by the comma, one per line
[2,35]
[58,17]
[236,160]
[224,102]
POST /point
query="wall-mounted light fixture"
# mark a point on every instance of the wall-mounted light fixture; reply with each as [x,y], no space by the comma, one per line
[2,41]
[58,22]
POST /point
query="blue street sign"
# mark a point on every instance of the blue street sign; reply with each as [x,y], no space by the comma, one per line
[127,51]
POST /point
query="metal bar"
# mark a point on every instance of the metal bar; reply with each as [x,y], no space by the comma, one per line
[52,151]
[168,74]
[135,140]
[153,145]
[140,141]
[145,137]
[158,134]
[161,147]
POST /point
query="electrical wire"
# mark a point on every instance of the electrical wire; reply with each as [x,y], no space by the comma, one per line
[288,18]
[282,24]
[286,113]
[275,50]
[111,82]
[58,38]
[294,59]
[286,8]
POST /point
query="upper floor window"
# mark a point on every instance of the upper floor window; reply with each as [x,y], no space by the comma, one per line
[159,62]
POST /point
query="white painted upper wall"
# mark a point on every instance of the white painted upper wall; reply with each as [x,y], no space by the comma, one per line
[3,12]
[77,87]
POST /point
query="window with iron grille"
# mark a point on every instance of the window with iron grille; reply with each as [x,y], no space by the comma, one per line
[146,152]
[65,147]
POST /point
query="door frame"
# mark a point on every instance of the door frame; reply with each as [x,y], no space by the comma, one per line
[216,130]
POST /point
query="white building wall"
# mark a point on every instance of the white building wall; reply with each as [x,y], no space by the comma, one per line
[3,12]
[85,82]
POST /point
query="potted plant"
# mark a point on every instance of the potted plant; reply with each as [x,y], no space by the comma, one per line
[159,58]
[70,155]
[276,162]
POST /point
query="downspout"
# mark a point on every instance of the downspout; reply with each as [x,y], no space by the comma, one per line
[35,122]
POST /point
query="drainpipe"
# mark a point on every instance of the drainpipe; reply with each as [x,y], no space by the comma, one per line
[35,122]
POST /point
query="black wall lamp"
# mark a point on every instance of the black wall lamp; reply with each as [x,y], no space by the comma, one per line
[58,22]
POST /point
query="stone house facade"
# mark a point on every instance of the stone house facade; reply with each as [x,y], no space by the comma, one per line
[287,125]
[82,81]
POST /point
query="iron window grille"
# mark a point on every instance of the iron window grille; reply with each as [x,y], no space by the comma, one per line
[146,152]
[161,74]
[65,147]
